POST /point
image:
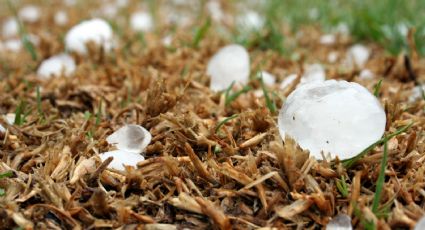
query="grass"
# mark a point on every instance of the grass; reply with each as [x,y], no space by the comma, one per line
[38,98]
[224,121]
[269,102]
[231,97]
[377,88]
[350,162]
[20,113]
[384,21]
[23,32]
[342,186]
[200,33]
[381,180]
[4,175]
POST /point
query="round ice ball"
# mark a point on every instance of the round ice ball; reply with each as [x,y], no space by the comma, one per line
[337,117]
[229,64]
[56,65]
[94,30]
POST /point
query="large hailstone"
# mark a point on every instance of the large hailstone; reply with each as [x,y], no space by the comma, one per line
[141,22]
[337,117]
[94,30]
[130,140]
[229,64]
[56,65]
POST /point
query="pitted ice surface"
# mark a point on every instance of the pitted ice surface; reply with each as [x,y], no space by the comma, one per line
[337,117]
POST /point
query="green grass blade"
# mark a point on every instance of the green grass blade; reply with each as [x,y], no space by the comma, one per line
[38,97]
[269,103]
[377,88]
[20,113]
[23,33]
[6,174]
[200,33]
[232,97]
[99,114]
[224,122]
[350,162]
[342,186]
[381,180]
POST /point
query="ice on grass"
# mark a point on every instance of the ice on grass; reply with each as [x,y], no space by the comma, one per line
[10,28]
[421,224]
[332,57]
[288,81]
[312,73]
[56,66]
[30,13]
[268,78]
[337,117]
[250,20]
[130,138]
[358,55]
[94,30]
[327,39]
[10,119]
[229,64]
[141,21]
[417,93]
[121,158]
[340,222]
[61,18]
[366,74]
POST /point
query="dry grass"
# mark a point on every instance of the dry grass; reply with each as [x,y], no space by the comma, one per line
[242,177]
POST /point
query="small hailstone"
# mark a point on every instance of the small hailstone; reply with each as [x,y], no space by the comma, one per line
[2,129]
[421,224]
[314,13]
[251,20]
[130,138]
[167,40]
[327,39]
[54,66]
[61,18]
[366,74]
[13,45]
[416,93]
[121,158]
[30,13]
[141,21]
[340,222]
[268,78]
[214,9]
[121,3]
[10,118]
[337,117]
[10,28]
[229,64]
[70,2]
[358,55]
[288,81]
[314,72]
[332,57]
[95,30]
[109,10]
[342,28]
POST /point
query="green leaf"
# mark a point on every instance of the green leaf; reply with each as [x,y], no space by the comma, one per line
[224,121]
[6,174]
[342,186]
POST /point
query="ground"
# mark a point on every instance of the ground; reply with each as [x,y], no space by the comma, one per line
[202,171]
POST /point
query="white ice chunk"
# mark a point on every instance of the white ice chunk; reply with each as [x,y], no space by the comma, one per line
[141,21]
[30,13]
[121,158]
[342,28]
[366,74]
[229,64]
[13,45]
[70,2]
[56,65]
[10,118]
[268,78]
[327,39]
[167,40]
[421,224]
[10,28]
[61,18]
[358,55]
[417,93]
[332,57]
[288,81]
[2,129]
[95,30]
[250,20]
[109,10]
[214,9]
[337,117]
[130,138]
[121,3]
[340,222]
[314,72]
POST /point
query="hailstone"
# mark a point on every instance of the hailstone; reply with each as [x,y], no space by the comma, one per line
[250,20]
[94,30]
[337,117]
[358,55]
[268,78]
[314,72]
[340,222]
[30,13]
[61,18]
[420,225]
[55,65]
[130,140]
[288,81]
[229,64]
[327,39]
[121,158]
[10,27]
[141,22]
